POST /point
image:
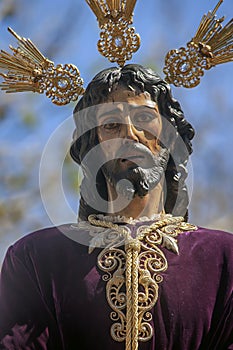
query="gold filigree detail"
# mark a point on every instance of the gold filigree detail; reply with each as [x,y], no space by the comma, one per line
[133,274]
[211,45]
[112,262]
[118,40]
[28,70]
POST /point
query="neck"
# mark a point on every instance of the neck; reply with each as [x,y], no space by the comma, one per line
[150,204]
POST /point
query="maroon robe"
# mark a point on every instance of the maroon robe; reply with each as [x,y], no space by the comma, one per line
[52,295]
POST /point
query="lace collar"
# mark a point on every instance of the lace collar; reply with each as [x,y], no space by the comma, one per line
[119,219]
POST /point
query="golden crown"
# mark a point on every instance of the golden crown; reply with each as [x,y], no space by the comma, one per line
[26,69]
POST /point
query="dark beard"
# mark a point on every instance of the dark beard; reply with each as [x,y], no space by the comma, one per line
[136,180]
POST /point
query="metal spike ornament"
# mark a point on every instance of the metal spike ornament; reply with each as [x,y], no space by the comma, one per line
[211,45]
[28,70]
[118,41]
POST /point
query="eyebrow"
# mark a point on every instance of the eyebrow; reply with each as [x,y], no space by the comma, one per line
[117,110]
[111,111]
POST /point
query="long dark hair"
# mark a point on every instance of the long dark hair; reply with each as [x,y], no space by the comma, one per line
[138,78]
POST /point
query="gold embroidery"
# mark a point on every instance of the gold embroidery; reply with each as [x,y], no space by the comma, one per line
[133,274]
[112,261]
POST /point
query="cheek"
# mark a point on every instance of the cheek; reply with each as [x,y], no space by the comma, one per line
[151,140]
[153,145]
[108,146]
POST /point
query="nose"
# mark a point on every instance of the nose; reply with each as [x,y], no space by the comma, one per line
[129,131]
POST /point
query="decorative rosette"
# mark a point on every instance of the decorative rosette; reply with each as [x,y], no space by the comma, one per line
[184,67]
[211,45]
[118,40]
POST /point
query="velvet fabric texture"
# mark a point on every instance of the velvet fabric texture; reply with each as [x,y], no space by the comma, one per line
[53,296]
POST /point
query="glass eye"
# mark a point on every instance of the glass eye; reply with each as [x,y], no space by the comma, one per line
[111,126]
[144,117]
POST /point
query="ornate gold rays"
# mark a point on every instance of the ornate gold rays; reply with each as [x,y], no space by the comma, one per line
[118,41]
[211,45]
[28,70]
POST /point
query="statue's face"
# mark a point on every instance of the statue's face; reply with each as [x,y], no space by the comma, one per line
[129,126]
[129,117]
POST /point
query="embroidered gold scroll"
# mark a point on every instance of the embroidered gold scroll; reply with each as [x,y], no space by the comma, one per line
[133,275]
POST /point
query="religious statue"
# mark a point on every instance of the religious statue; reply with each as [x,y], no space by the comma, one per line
[132,273]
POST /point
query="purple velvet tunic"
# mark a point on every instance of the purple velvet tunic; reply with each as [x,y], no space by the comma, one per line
[53,296]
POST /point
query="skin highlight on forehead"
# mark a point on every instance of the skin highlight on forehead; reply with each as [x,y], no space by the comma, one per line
[132,98]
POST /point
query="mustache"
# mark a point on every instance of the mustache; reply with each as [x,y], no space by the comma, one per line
[134,147]
[142,179]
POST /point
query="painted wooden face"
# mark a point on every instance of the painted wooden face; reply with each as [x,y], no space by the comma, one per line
[126,117]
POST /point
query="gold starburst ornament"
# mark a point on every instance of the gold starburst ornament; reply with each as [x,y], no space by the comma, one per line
[118,40]
[211,45]
[28,70]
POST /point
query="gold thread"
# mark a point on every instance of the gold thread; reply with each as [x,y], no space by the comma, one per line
[135,323]
[128,282]
[140,265]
